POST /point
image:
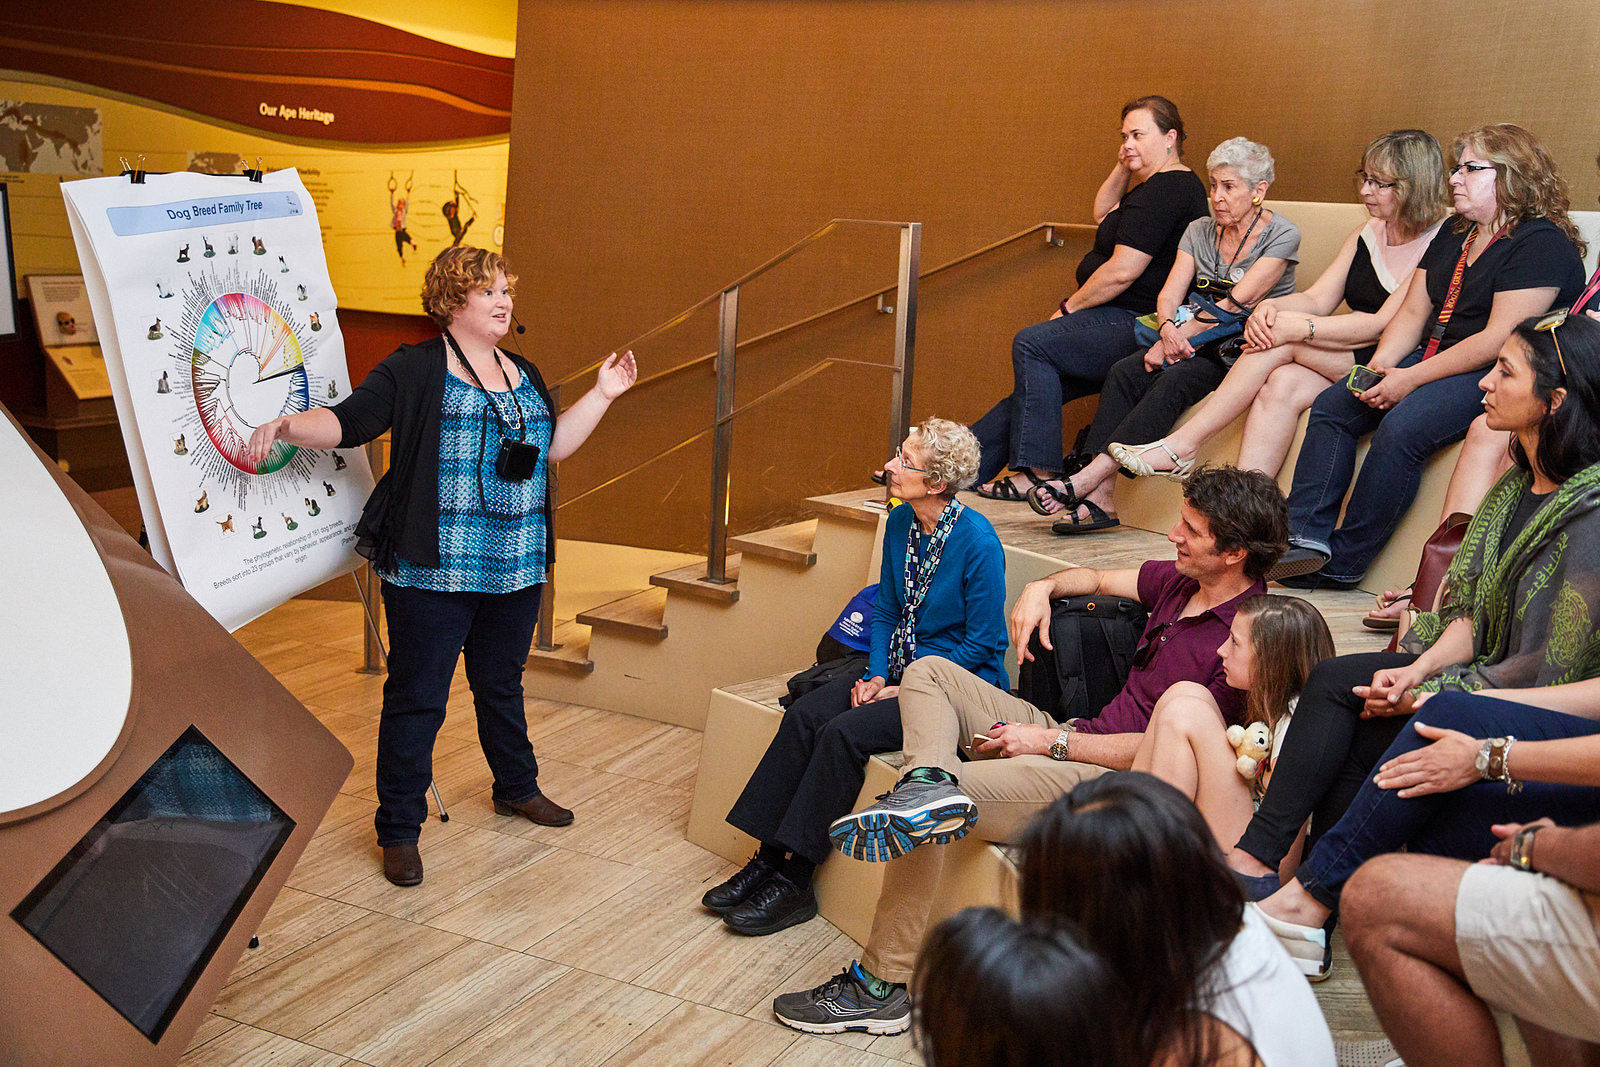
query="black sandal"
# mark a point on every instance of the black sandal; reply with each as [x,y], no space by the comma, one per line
[1066,496]
[1005,489]
[1098,520]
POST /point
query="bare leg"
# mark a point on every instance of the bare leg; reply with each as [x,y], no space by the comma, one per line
[1399,914]
[1269,428]
[1485,455]
[1293,904]
[1188,747]
[1233,396]
[1549,1049]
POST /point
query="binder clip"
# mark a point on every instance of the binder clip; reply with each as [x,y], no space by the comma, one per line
[135,175]
[256,174]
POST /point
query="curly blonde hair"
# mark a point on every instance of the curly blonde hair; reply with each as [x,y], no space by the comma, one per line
[1527,184]
[454,273]
[950,454]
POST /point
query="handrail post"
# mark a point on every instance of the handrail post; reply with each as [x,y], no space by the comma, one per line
[905,334]
[722,439]
[371,651]
[545,636]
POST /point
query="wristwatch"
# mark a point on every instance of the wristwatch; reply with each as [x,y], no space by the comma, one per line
[1492,765]
[1058,748]
[1522,848]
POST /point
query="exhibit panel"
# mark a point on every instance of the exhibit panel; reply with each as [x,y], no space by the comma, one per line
[178,783]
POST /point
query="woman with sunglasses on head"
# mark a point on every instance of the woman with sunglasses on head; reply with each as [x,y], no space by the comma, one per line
[1127,861]
[1519,614]
[1295,345]
[1512,251]
[1141,211]
[941,593]
[1243,253]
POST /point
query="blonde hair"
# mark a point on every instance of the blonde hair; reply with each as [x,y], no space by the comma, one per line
[453,274]
[1413,160]
[950,453]
[1527,184]
[1288,637]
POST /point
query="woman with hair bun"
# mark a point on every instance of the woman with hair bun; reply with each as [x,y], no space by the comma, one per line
[458,529]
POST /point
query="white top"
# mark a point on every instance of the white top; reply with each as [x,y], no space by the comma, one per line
[63,644]
[1269,1002]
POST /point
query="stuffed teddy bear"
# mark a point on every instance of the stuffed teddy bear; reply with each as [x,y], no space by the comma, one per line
[1252,744]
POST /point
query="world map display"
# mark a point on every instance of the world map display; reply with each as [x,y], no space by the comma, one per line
[49,139]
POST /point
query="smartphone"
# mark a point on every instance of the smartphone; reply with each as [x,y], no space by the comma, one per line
[1362,378]
[979,738]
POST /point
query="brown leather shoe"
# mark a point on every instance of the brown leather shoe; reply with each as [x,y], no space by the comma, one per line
[402,864]
[540,809]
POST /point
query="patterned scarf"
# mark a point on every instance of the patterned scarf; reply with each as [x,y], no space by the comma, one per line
[918,576]
[1533,594]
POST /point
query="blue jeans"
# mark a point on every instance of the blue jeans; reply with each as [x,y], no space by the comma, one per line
[1430,418]
[1052,362]
[428,632]
[1454,824]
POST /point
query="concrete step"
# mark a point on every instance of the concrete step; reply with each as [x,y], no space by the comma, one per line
[571,654]
[691,580]
[640,614]
[790,544]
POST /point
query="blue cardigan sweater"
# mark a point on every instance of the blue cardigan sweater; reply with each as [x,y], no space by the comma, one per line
[963,616]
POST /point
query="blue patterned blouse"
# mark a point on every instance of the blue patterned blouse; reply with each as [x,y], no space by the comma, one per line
[491,531]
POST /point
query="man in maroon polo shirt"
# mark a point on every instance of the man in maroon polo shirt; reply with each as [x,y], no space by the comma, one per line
[1233,527]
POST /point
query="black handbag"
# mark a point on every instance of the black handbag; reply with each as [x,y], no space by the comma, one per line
[1095,639]
[820,674]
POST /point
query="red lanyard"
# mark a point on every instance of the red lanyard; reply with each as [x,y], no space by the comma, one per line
[1588,293]
[1454,292]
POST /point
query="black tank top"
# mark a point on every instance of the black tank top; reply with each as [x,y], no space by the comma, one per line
[1362,289]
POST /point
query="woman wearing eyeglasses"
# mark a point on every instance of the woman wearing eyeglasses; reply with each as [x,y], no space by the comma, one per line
[1295,345]
[1511,252]
[941,593]
[1519,615]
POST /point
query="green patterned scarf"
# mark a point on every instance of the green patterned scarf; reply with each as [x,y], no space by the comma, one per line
[1532,594]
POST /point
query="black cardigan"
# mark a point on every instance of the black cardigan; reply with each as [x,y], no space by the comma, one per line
[405,394]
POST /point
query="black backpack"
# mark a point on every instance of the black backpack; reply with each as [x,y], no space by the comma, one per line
[1095,639]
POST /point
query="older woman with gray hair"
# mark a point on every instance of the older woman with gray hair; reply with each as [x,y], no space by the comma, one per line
[1242,254]
[941,593]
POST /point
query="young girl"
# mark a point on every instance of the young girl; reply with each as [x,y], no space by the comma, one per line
[1271,648]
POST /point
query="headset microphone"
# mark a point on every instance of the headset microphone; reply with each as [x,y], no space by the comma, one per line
[520,328]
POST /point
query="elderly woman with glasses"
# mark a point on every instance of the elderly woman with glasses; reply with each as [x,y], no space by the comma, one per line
[1243,253]
[941,593]
[1511,251]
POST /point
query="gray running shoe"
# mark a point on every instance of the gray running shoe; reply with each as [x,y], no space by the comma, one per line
[845,1003]
[912,813]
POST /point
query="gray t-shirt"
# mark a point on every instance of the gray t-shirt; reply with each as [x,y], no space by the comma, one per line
[1278,239]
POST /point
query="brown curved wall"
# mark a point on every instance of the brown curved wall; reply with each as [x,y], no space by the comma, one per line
[660,149]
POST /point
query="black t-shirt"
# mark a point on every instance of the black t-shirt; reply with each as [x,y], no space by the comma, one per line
[1537,255]
[1528,503]
[1151,218]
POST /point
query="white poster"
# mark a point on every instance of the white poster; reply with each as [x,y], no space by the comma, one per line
[216,314]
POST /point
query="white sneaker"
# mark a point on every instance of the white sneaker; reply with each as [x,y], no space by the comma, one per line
[1308,946]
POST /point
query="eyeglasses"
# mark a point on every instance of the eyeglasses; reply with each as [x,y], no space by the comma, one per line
[905,464]
[1363,179]
[1470,168]
[1548,325]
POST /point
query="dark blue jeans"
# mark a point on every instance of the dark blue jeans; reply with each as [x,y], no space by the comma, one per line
[813,769]
[1430,418]
[1052,363]
[428,632]
[1452,824]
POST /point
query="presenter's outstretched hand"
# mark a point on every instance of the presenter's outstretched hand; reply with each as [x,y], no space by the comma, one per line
[617,375]
[264,438]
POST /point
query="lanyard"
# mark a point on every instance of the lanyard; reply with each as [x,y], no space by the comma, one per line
[1436,335]
[494,405]
[1227,272]
[1588,293]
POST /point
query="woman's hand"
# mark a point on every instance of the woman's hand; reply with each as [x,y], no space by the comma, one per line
[1450,763]
[1397,384]
[1259,327]
[1389,693]
[1173,347]
[617,375]
[867,690]
[1017,739]
[1505,831]
[265,436]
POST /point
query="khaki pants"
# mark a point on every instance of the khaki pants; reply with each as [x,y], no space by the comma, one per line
[941,707]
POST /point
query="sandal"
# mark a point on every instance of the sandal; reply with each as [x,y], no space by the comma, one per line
[1098,520]
[879,477]
[1376,620]
[1006,489]
[1066,497]
[1131,458]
